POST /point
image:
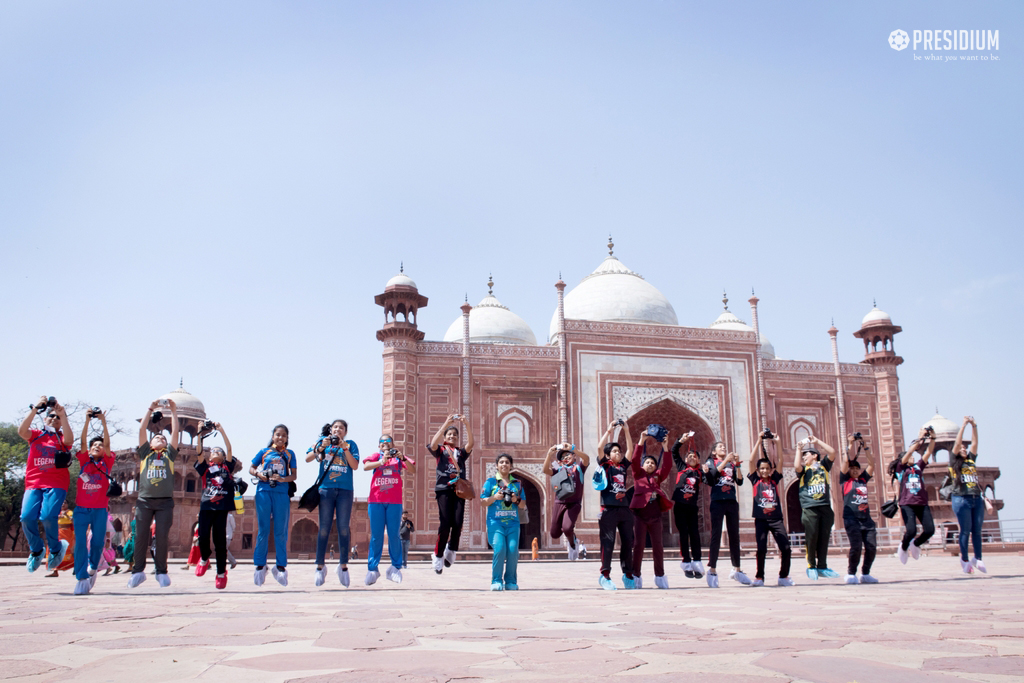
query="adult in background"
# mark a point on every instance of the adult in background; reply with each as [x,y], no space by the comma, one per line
[95,461]
[405,532]
[155,504]
[913,496]
[451,466]
[338,458]
[46,482]
[968,504]
[812,473]
[615,513]
[217,469]
[860,528]
[566,472]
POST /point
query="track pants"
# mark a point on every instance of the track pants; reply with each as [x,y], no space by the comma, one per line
[923,513]
[728,510]
[688,525]
[775,527]
[451,511]
[818,521]
[616,518]
[215,522]
[861,533]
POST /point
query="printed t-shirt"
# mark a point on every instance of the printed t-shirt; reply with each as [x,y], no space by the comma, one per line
[275,461]
[687,489]
[616,475]
[156,472]
[91,487]
[339,474]
[218,485]
[451,465]
[967,484]
[723,483]
[855,495]
[41,471]
[576,470]
[912,490]
[766,496]
[498,513]
[386,482]
[814,484]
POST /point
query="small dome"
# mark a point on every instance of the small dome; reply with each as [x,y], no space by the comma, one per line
[945,430]
[876,316]
[400,279]
[614,293]
[729,321]
[490,322]
[188,405]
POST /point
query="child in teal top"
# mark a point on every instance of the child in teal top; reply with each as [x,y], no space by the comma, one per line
[503,496]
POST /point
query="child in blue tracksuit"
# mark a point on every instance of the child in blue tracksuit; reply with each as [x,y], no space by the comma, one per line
[503,496]
[274,466]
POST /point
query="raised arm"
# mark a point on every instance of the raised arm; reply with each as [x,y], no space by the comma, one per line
[754,452]
[227,443]
[606,437]
[439,436]
[106,432]
[584,458]
[830,452]
[173,442]
[200,455]
[85,435]
[546,467]
[915,446]
[974,441]
[960,437]
[629,439]
[144,424]
[929,452]
[798,461]
[469,435]
[844,463]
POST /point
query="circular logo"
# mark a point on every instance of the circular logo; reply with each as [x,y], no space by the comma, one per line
[898,40]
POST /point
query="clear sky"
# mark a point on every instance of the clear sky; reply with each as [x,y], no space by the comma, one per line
[216,191]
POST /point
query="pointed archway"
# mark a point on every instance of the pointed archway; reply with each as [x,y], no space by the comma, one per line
[793,510]
[534,527]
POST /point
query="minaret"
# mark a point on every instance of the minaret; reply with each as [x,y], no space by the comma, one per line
[840,403]
[760,362]
[563,403]
[466,308]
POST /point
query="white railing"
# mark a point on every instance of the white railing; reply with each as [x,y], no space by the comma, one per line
[998,532]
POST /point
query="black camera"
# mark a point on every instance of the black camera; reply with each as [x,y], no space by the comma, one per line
[43,406]
[507,495]
[325,433]
[94,412]
[156,417]
[241,486]
[857,436]
[620,422]
[393,451]
[659,432]
[767,434]
[929,431]
[207,426]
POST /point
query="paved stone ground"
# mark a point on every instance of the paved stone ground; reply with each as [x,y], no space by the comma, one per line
[925,622]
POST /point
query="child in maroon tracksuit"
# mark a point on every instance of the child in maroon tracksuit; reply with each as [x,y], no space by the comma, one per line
[649,501]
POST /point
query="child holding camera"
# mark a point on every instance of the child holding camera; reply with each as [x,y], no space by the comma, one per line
[860,528]
[650,469]
[155,504]
[913,496]
[451,509]
[566,472]
[815,503]
[218,501]
[687,506]
[274,466]
[338,458]
[723,476]
[764,479]
[385,508]
[95,461]
[502,494]
[615,512]
[46,481]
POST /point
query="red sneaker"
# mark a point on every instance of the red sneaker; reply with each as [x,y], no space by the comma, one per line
[202,567]
[221,581]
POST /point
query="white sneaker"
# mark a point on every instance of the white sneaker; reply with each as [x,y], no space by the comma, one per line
[321,576]
[979,565]
[259,576]
[661,581]
[92,578]
[393,574]
[737,575]
[867,578]
[757,583]
[497,586]
[574,553]
[698,569]
[371,577]
[343,576]
[712,580]
[163,579]
[915,551]
[967,567]
[851,579]
[438,563]
[136,579]
[281,575]
[581,549]
[902,555]
[449,557]
[82,587]
[786,581]
[639,581]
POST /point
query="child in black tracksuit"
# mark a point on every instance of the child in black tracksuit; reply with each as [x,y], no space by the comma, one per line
[687,507]
[768,519]
[615,513]
[860,528]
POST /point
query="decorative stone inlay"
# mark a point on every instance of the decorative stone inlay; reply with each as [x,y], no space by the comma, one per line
[664,331]
[533,468]
[788,475]
[501,350]
[815,367]
[813,419]
[504,407]
[703,402]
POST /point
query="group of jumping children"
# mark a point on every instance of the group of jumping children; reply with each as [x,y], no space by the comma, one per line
[633,512]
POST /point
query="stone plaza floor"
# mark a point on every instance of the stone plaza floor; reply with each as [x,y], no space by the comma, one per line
[926,621]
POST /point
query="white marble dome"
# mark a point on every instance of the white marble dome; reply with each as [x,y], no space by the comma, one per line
[614,293]
[188,405]
[876,316]
[490,322]
[945,429]
[400,279]
[729,321]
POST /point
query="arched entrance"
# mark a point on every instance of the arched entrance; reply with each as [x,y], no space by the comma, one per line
[302,538]
[535,525]
[795,523]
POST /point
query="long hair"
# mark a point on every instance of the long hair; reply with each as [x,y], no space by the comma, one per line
[271,442]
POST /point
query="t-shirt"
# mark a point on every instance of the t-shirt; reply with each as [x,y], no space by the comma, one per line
[616,474]
[498,513]
[218,485]
[967,484]
[687,489]
[855,495]
[723,483]
[156,472]
[451,465]
[339,474]
[405,529]
[386,482]
[91,487]
[41,471]
[814,484]
[766,496]
[912,490]
[576,470]
[274,461]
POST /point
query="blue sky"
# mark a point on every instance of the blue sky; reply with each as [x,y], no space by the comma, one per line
[216,191]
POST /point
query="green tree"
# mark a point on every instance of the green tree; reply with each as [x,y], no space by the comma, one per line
[13,452]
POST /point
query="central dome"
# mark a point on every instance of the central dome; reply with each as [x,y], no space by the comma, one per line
[614,293]
[491,322]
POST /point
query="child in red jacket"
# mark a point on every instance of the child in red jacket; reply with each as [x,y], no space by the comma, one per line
[650,468]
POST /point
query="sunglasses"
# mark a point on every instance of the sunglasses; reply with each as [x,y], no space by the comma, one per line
[383,441]
[52,416]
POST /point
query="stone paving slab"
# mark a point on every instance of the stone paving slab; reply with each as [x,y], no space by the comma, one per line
[926,621]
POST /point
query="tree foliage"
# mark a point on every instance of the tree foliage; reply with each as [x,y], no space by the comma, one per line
[13,451]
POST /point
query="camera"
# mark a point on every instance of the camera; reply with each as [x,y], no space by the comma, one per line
[94,412]
[659,432]
[767,434]
[806,442]
[507,495]
[393,452]
[156,417]
[325,433]
[43,406]
[857,436]
[620,422]
[207,426]
[929,431]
